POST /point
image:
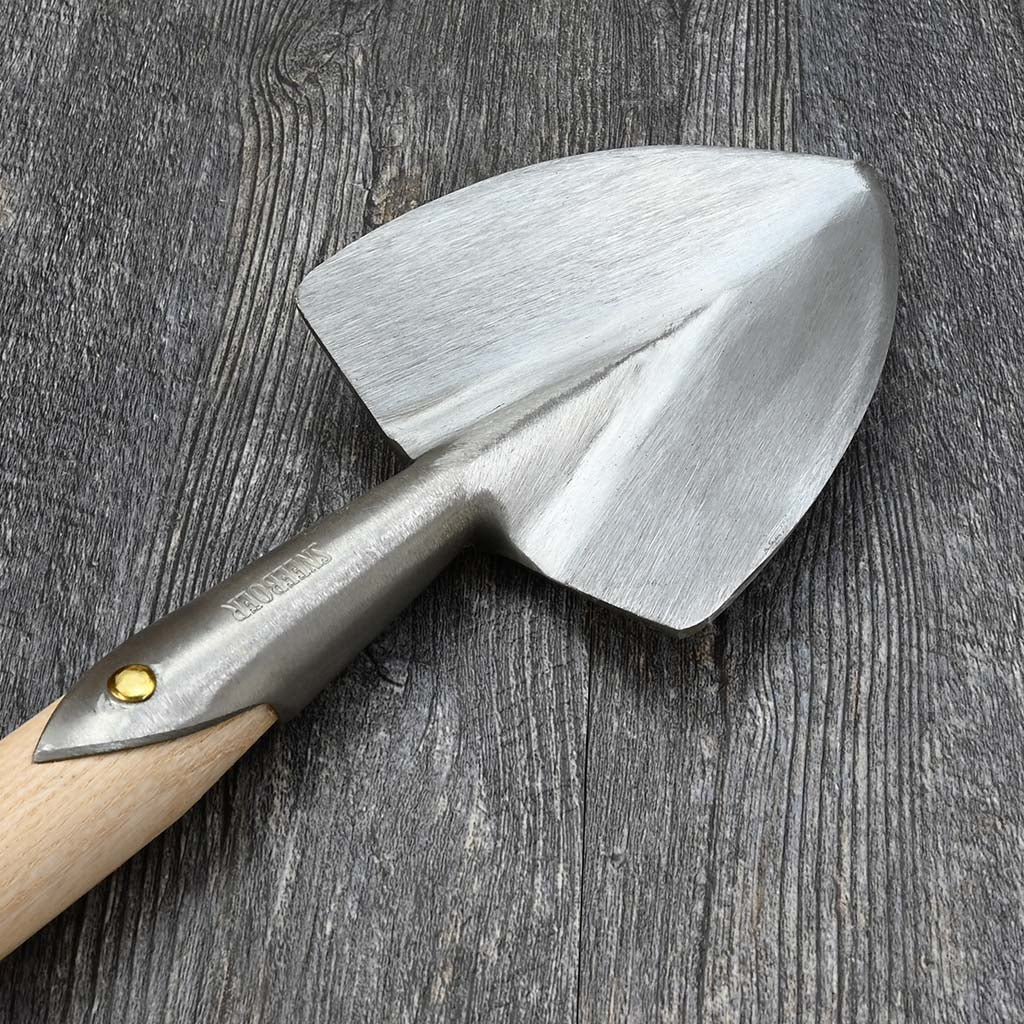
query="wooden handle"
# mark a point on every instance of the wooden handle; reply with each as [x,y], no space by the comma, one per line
[66,825]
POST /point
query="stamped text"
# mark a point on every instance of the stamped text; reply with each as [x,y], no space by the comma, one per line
[280,579]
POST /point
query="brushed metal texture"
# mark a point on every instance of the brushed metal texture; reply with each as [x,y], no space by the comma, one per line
[632,371]
[664,350]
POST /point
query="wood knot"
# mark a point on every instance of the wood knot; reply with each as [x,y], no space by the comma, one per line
[391,196]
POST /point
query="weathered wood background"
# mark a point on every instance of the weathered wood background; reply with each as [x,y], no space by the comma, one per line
[516,806]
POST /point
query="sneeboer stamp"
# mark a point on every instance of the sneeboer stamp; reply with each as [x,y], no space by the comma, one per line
[290,573]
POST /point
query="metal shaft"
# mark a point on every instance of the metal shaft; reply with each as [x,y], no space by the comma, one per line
[279,630]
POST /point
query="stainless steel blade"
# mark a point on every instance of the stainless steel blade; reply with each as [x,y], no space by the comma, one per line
[667,350]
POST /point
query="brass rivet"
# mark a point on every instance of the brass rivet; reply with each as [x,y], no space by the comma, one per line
[132,684]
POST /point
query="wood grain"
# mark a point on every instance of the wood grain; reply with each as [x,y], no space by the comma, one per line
[516,806]
[64,826]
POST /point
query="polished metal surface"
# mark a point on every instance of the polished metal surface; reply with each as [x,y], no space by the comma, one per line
[632,371]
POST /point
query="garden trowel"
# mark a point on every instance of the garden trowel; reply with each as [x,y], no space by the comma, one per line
[631,371]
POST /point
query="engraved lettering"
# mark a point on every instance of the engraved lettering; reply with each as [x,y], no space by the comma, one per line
[311,559]
[277,581]
[284,573]
[298,567]
[321,556]
[275,584]
[235,607]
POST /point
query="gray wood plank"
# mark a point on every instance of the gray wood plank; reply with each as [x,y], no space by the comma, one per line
[412,846]
[516,806]
[814,813]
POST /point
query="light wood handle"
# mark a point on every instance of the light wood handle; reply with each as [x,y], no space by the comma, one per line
[66,825]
